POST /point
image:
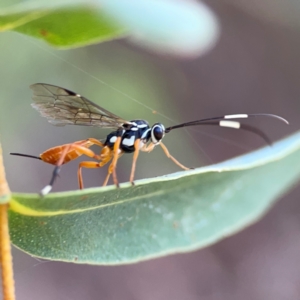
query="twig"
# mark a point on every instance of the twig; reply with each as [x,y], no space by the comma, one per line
[8,287]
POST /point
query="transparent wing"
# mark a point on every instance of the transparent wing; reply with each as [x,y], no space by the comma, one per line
[62,107]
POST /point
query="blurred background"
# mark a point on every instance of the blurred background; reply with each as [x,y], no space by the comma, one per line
[255,67]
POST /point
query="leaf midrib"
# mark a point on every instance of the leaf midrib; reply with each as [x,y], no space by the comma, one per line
[24,210]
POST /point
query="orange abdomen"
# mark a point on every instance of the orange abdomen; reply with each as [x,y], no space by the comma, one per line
[52,155]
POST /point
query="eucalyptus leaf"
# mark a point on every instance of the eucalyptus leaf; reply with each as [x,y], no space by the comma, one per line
[63,24]
[179,212]
[182,28]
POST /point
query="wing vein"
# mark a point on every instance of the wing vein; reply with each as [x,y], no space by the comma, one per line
[62,107]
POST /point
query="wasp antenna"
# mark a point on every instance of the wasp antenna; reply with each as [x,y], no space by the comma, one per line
[230,124]
[257,132]
[238,125]
[26,155]
[209,121]
[241,116]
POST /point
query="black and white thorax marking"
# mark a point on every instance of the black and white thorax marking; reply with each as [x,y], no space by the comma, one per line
[137,129]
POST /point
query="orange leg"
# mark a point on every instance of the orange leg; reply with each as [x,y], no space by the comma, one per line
[80,149]
[63,154]
[90,165]
[111,168]
[56,171]
[106,179]
[171,157]
[106,155]
[96,142]
[148,148]
[135,156]
[115,159]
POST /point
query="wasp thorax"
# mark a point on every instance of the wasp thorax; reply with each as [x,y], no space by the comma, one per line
[157,133]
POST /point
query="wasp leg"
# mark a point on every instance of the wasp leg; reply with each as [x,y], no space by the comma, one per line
[90,165]
[111,169]
[56,171]
[80,150]
[53,155]
[148,148]
[106,178]
[171,157]
[105,157]
[115,158]
[135,156]
[96,142]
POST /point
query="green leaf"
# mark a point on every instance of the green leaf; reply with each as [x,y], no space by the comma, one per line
[173,27]
[184,28]
[175,213]
[61,25]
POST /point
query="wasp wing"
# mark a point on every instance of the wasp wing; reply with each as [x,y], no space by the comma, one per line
[62,107]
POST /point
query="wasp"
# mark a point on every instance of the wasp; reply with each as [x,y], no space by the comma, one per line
[63,107]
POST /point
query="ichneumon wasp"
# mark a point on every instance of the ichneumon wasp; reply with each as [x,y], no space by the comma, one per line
[62,107]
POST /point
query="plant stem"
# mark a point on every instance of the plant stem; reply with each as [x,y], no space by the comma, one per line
[4,188]
[8,287]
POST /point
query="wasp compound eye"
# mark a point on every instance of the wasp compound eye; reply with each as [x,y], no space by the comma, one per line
[158,132]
